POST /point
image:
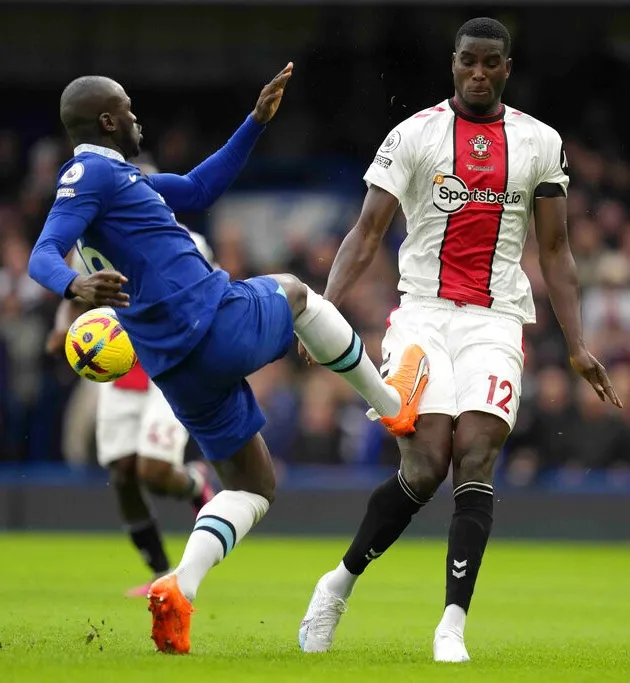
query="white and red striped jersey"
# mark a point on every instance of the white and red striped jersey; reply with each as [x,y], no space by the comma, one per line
[467,187]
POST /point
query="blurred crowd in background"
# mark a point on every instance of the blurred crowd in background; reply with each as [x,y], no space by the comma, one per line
[563,429]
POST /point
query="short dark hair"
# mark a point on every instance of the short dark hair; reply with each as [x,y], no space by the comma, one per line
[485,27]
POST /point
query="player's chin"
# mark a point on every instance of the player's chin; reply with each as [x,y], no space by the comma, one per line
[479,101]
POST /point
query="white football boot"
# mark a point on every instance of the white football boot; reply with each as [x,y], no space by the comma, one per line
[317,629]
[448,646]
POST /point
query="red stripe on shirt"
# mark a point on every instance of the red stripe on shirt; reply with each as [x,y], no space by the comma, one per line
[472,233]
[135,380]
[388,322]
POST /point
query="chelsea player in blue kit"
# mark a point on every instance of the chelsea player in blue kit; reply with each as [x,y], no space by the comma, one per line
[197,334]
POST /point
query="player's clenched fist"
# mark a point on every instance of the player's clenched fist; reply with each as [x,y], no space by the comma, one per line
[271,96]
[101,289]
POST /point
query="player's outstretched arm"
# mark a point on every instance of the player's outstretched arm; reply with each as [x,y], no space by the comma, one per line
[46,264]
[560,274]
[200,188]
[360,245]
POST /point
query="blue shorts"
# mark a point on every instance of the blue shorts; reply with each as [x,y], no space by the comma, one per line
[208,392]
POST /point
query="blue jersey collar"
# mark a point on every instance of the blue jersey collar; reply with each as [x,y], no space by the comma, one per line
[97,149]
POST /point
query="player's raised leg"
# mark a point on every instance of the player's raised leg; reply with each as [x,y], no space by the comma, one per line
[425,457]
[477,443]
[249,484]
[332,342]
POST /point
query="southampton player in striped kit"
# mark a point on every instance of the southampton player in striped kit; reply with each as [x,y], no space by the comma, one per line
[468,174]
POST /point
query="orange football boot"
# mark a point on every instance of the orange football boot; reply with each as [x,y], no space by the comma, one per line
[409,380]
[171,616]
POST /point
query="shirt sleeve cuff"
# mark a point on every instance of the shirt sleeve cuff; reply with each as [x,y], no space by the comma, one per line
[252,124]
[71,277]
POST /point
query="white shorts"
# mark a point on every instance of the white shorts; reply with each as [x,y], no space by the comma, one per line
[141,422]
[475,356]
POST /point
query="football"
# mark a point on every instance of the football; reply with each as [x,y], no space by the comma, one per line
[97,346]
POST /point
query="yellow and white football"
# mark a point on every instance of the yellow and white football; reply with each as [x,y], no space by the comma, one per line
[97,346]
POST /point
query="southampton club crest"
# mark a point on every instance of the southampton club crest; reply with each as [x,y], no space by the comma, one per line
[480,145]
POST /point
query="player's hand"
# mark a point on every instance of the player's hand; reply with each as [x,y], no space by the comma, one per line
[101,289]
[271,96]
[303,353]
[55,342]
[595,374]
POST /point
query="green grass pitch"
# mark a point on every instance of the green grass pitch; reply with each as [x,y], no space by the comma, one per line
[543,613]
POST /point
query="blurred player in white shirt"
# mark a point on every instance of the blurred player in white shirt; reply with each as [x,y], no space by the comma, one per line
[468,174]
[140,441]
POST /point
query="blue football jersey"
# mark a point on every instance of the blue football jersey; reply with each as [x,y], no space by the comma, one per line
[123,221]
[173,291]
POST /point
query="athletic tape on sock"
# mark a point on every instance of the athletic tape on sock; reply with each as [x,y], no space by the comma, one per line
[219,527]
[409,491]
[478,486]
[349,359]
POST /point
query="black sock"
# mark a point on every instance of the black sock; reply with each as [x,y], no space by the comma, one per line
[467,539]
[147,538]
[389,511]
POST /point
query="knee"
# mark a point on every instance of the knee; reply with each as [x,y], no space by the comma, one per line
[154,474]
[122,473]
[295,290]
[266,489]
[424,471]
[478,440]
[270,495]
[475,463]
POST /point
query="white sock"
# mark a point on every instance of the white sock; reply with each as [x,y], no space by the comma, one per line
[331,341]
[340,581]
[220,525]
[454,619]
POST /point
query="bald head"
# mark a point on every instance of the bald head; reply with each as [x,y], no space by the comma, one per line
[96,109]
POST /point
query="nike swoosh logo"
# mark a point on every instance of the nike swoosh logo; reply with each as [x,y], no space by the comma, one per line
[419,376]
[133,178]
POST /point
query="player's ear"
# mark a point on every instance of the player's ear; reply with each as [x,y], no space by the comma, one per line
[508,67]
[107,122]
[453,58]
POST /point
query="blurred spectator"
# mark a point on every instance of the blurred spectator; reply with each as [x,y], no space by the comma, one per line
[586,242]
[10,165]
[319,432]
[14,278]
[595,439]
[23,331]
[541,439]
[38,189]
[606,307]
[276,393]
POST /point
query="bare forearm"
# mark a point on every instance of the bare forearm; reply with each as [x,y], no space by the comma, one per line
[560,274]
[355,254]
[68,312]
